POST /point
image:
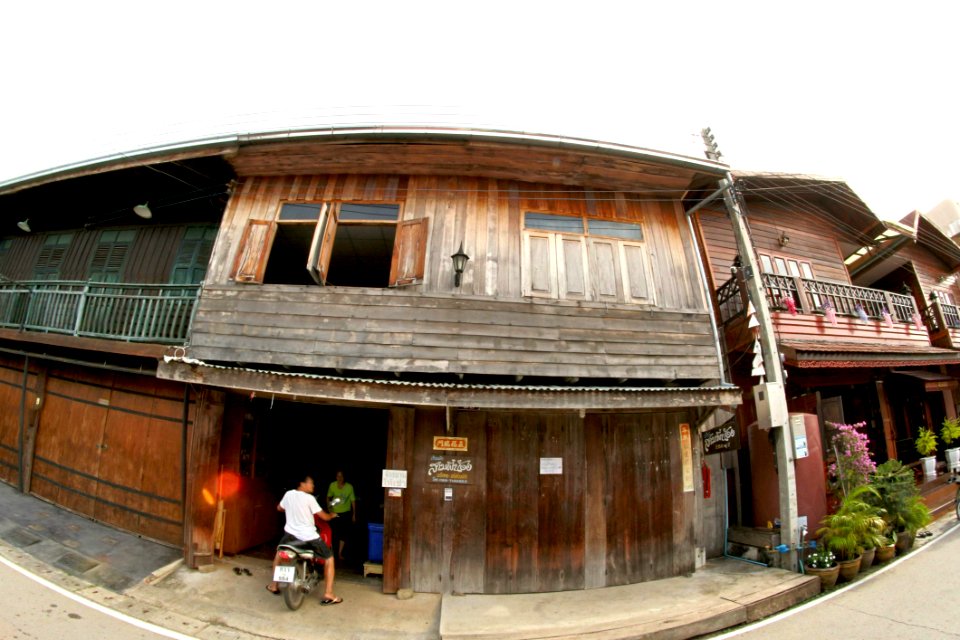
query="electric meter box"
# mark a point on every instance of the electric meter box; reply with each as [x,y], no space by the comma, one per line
[771,405]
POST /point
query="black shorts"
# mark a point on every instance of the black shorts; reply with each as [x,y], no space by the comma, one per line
[317,545]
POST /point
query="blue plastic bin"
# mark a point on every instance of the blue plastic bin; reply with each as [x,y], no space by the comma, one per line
[375,542]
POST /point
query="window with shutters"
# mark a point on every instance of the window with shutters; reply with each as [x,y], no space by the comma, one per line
[345,244]
[579,258]
[190,265]
[52,254]
[110,255]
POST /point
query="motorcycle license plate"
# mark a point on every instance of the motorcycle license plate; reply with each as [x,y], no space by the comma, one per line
[285,574]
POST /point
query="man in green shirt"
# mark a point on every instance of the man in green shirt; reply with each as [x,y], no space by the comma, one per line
[347,503]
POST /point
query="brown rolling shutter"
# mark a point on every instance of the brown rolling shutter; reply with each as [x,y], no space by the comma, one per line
[251,262]
[409,253]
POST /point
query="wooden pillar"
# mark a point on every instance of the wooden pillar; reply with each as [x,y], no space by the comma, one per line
[889,432]
[203,459]
[31,423]
[397,511]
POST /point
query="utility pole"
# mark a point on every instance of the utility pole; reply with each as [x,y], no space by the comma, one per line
[769,397]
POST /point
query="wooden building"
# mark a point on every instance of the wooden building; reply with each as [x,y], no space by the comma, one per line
[863,312]
[530,424]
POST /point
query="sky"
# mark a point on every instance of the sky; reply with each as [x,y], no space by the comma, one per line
[850,90]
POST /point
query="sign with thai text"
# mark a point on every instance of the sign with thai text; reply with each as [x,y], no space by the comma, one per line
[551,466]
[449,470]
[722,438]
[394,479]
[686,455]
[447,443]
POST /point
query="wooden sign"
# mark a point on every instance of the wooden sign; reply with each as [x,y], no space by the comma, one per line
[449,470]
[686,455]
[447,443]
[722,438]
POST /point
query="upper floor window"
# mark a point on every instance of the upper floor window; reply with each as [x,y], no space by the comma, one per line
[783,266]
[52,254]
[579,258]
[334,243]
[190,265]
[110,256]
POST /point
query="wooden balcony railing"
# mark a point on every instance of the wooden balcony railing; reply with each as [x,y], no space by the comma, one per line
[943,323]
[810,297]
[132,312]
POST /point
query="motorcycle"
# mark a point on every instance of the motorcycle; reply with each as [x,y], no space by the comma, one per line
[299,568]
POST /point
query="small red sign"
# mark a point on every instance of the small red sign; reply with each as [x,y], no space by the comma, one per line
[447,443]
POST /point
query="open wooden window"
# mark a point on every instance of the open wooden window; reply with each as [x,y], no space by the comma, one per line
[251,261]
[336,243]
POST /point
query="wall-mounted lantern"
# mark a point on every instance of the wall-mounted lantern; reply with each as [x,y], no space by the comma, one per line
[784,239]
[459,262]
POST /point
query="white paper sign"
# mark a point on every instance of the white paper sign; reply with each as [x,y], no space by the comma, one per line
[551,466]
[394,479]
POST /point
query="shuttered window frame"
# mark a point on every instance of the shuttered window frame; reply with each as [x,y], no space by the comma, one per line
[250,264]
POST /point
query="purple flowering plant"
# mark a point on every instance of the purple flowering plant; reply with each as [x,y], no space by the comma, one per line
[853,465]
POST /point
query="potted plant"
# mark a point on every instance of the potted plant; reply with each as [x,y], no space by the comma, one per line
[926,444]
[950,431]
[822,563]
[885,550]
[897,494]
[855,524]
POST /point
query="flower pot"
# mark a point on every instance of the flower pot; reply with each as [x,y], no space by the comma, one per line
[867,558]
[929,467]
[849,568]
[905,541]
[885,553]
[828,577]
[953,458]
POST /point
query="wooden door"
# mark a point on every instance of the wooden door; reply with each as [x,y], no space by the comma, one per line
[11,381]
[110,446]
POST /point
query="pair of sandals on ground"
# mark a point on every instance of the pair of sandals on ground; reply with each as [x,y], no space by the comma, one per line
[325,601]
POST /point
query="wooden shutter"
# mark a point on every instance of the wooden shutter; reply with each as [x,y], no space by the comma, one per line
[320,267]
[605,274]
[409,253]
[539,264]
[251,261]
[572,267]
[636,272]
[317,270]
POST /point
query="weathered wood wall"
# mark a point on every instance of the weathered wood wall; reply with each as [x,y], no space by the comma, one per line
[812,240]
[381,329]
[486,215]
[12,393]
[616,515]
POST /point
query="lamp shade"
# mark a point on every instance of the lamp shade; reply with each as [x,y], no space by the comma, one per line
[24,225]
[459,262]
[143,210]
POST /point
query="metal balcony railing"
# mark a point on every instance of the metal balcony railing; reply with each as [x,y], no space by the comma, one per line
[810,296]
[158,313]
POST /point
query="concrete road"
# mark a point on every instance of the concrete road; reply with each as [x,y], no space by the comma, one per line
[34,609]
[917,599]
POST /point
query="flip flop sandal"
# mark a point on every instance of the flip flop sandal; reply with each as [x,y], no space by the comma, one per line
[237,571]
[328,601]
[276,593]
[246,572]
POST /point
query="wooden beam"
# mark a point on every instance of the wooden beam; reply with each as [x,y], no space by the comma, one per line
[88,344]
[383,393]
[32,423]
[203,459]
[889,431]
[397,515]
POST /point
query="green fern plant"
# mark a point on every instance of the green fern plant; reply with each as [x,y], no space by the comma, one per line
[950,430]
[926,442]
[856,525]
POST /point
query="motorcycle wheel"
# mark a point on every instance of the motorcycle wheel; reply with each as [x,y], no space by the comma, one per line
[293,595]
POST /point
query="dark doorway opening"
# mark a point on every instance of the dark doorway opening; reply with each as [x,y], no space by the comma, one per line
[278,441]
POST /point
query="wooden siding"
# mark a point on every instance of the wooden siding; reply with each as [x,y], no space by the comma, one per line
[380,329]
[110,446]
[11,415]
[486,215]
[617,514]
[529,163]
[152,255]
[811,239]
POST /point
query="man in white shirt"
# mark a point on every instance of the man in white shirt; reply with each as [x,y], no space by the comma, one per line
[299,506]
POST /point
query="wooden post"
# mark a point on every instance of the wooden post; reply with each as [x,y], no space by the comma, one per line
[887,417]
[397,511]
[203,460]
[803,304]
[32,423]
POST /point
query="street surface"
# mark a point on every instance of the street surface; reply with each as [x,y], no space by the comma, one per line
[34,611]
[917,599]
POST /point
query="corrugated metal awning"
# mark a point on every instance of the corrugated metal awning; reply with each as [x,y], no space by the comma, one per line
[317,387]
[932,381]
